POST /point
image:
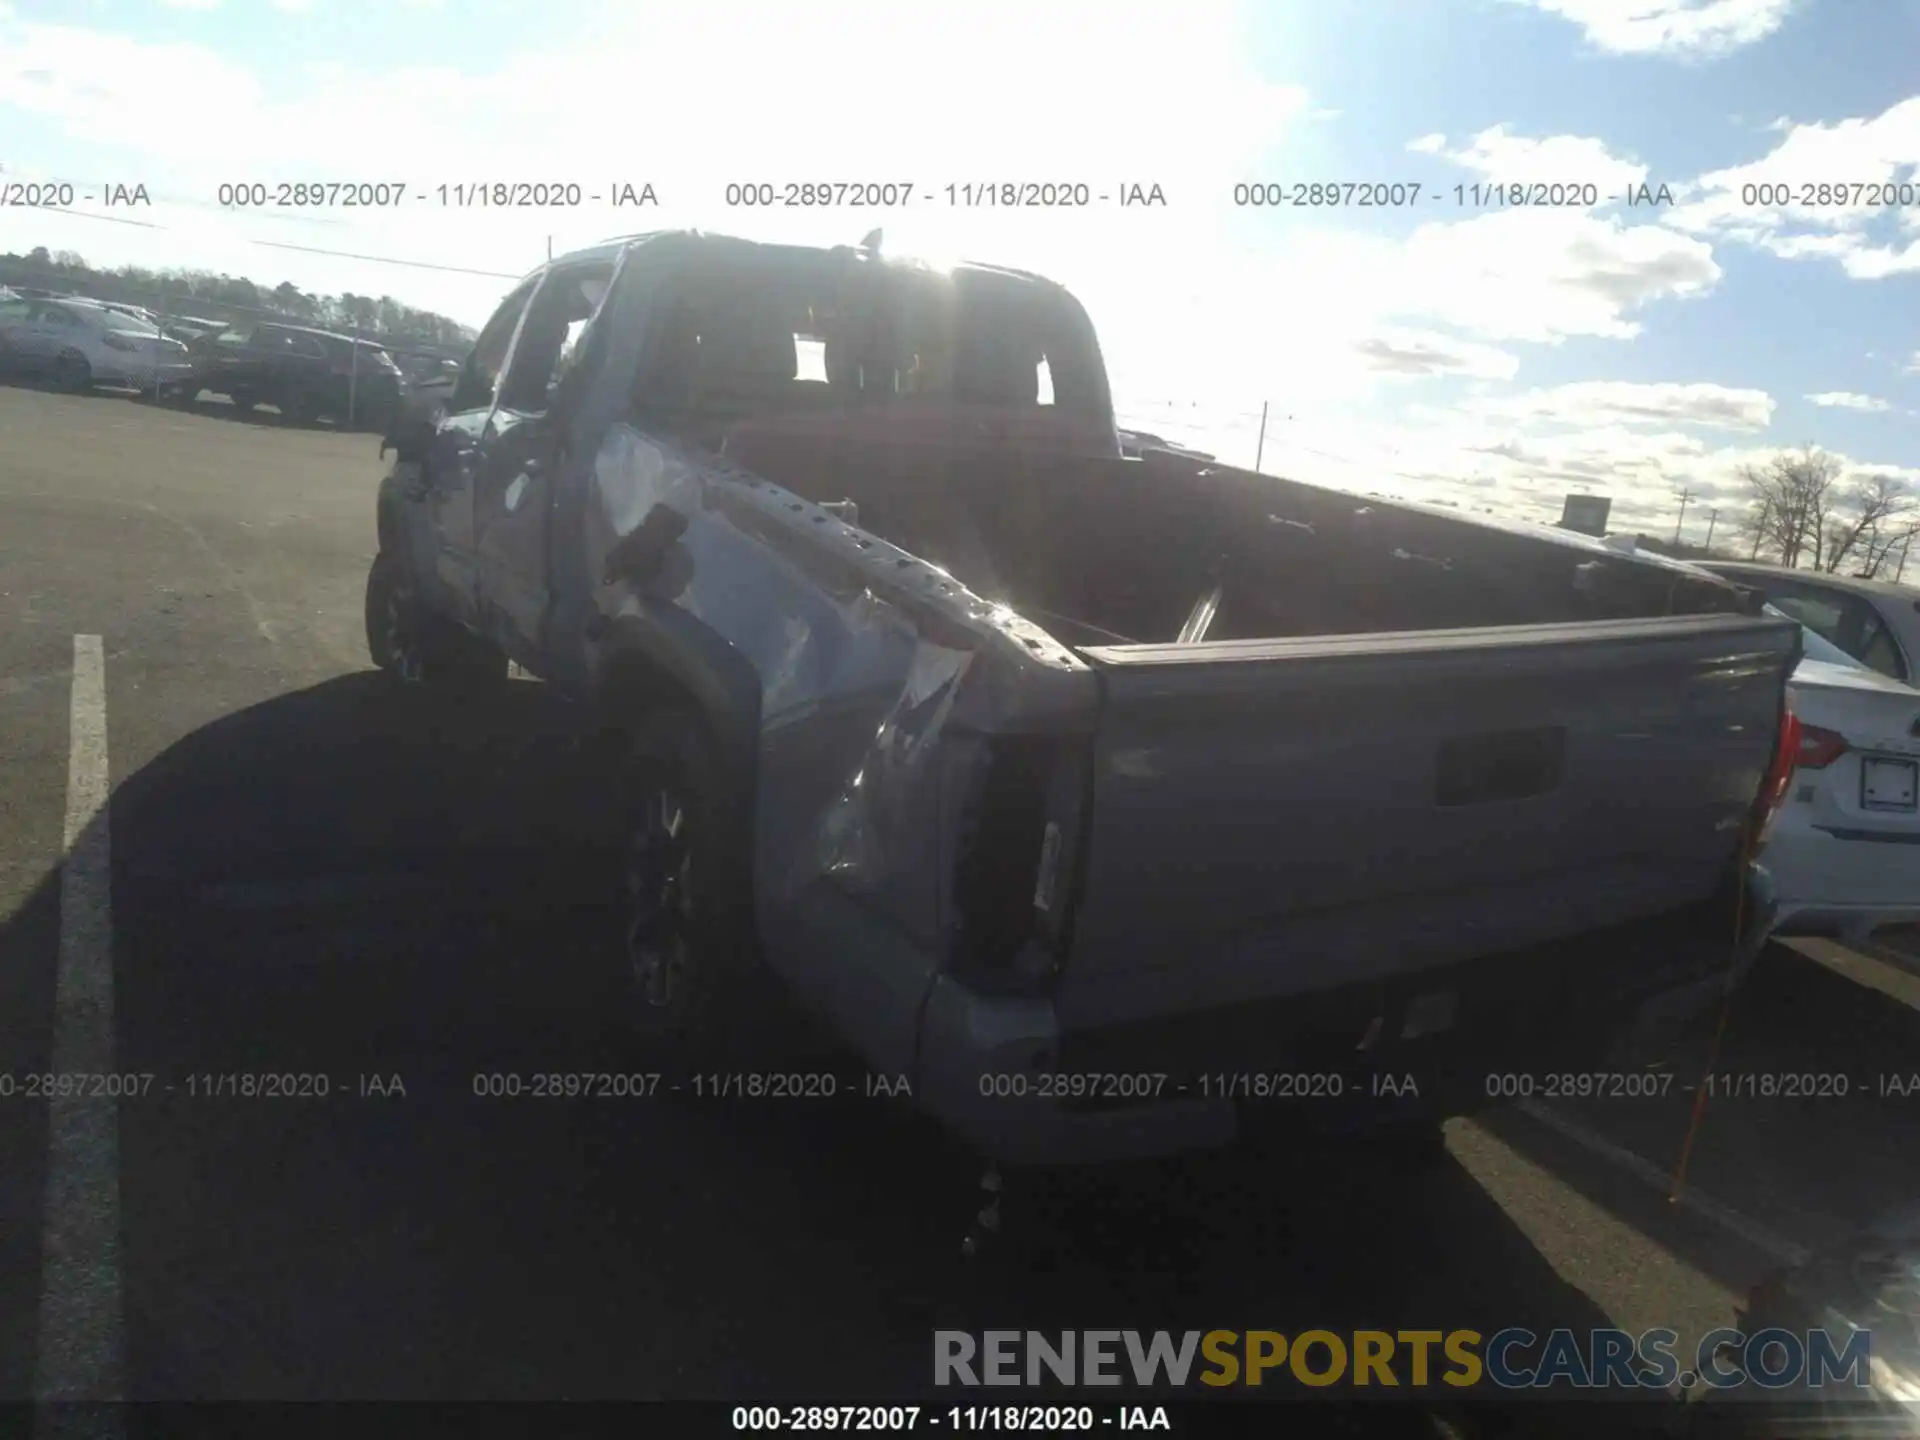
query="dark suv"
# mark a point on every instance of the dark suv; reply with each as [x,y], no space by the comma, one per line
[305,374]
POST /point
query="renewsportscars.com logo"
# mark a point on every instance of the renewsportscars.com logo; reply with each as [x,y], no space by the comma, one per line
[1512,1359]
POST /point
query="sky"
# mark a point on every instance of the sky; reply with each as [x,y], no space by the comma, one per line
[1471,347]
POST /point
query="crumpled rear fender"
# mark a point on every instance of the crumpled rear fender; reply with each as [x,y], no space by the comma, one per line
[853,688]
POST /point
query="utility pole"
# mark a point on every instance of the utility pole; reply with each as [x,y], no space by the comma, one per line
[1713,517]
[1760,528]
[1261,448]
[549,247]
[1685,496]
[1905,541]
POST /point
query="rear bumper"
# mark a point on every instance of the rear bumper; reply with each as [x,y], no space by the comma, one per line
[1834,885]
[1007,1078]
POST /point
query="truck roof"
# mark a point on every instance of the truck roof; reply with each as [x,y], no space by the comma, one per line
[612,248]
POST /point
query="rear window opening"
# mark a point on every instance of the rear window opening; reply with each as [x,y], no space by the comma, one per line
[761,343]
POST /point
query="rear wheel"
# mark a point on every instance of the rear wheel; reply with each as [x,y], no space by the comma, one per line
[697,990]
[243,399]
[299,407]
[72,372]
[417,647]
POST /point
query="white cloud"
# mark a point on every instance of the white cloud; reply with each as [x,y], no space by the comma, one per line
[1545,275]
[1860,179]
[1847,400]
[1424,352]
[1619,402]
[1508,159]
[1671,27]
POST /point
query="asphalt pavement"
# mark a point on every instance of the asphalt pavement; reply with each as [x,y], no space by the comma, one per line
[377,902]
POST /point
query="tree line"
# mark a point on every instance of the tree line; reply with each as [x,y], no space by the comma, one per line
[1804,511]
[228,297]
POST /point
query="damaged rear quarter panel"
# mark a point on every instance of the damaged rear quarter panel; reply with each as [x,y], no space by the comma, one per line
[880,676]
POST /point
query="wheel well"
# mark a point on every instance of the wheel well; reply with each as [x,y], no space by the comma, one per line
[635,684]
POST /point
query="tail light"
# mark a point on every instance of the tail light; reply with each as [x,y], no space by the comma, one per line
[1773,789]
[1819,748]
[1015,875]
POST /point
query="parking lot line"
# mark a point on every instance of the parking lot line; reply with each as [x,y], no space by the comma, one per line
[1768,1242]
[1876,967]
[80,1327]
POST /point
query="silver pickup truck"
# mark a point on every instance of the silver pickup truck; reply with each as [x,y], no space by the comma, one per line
[1122,804]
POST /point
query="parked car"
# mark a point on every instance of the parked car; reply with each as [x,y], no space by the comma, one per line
[136,311]
[191,329]
[305,374]
[1876,623]
[1845,852]
[82,344]
[1070,787]
[430,379]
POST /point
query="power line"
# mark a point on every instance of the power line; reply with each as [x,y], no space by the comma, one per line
[110,219]
[386,260]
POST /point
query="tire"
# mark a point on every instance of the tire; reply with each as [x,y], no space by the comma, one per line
[243,400]
[417,648]
[697,992]
[298,408]
[72,371]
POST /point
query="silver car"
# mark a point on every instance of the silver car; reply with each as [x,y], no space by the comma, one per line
[83,343]
[1876,623]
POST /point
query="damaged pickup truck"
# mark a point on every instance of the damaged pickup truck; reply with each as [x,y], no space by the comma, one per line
[1125,804]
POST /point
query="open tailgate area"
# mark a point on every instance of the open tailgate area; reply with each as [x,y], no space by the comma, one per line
[1281,817]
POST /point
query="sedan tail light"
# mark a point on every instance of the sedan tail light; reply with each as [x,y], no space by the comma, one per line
[1819,748]
[1773,789]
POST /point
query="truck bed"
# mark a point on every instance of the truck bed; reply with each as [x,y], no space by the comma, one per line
[1103,549]
[1335,740]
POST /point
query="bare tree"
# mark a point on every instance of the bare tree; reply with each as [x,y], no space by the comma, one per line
[1802,513]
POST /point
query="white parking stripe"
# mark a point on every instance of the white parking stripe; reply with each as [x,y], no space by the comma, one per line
[1768,1242]
[80,1355]
[1874,966]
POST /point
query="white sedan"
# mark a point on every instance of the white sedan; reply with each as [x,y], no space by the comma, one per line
[83,343]
[1845,849]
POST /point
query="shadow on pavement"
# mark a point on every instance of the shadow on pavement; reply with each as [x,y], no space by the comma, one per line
[379,902]
[1800,1072]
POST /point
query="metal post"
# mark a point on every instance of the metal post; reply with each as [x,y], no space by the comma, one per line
[1261,449]
[160,324]
[1685,496]
[1713,517]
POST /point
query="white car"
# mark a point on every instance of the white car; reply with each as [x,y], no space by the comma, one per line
[83,343]
[1845,849]
[1876,623]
